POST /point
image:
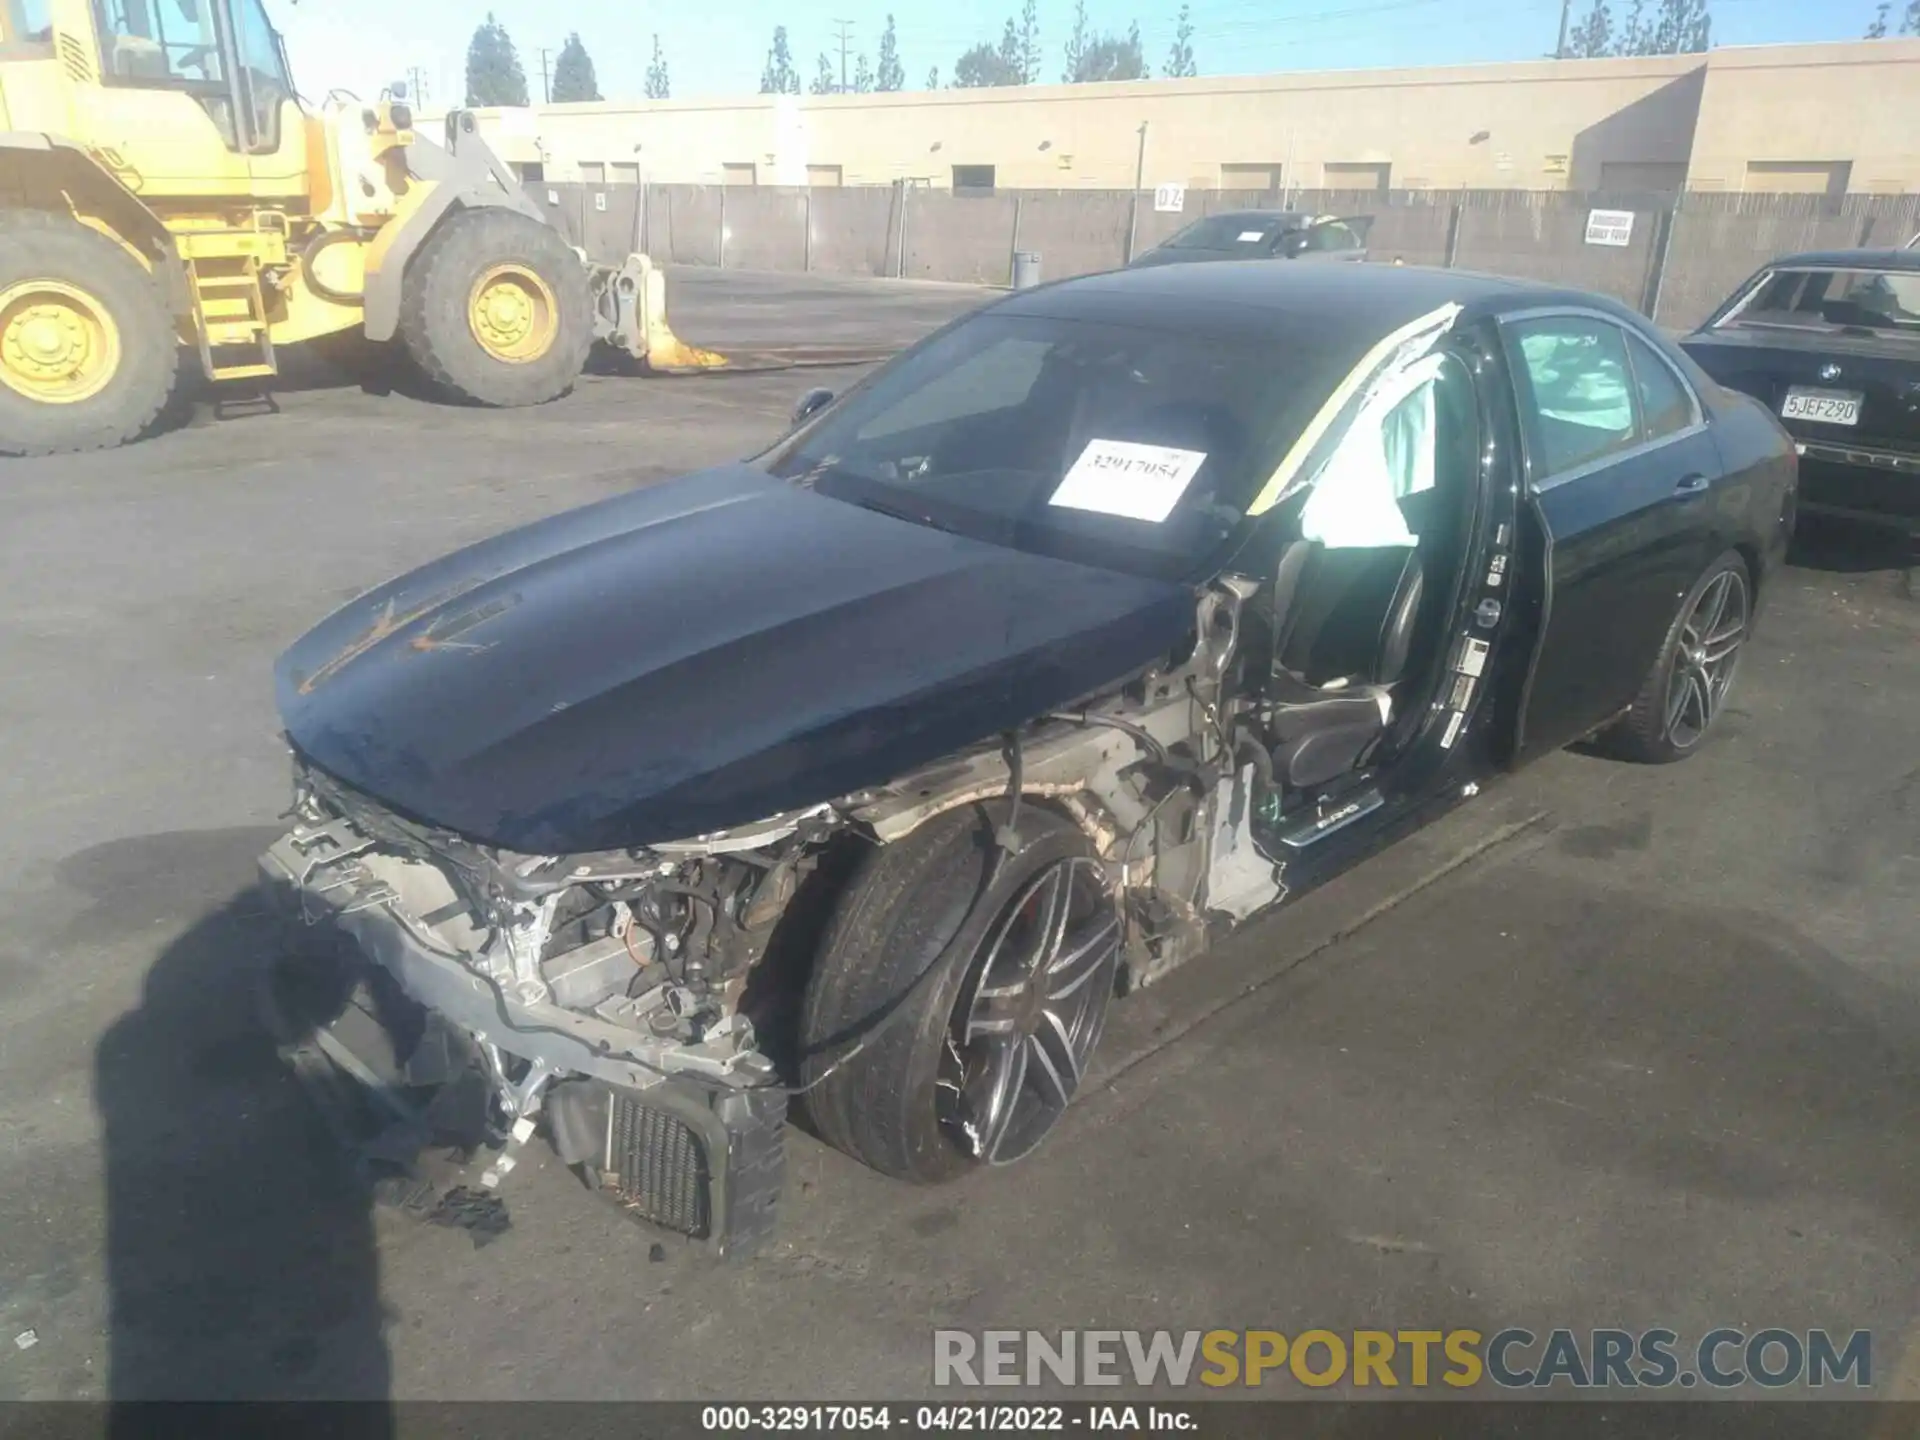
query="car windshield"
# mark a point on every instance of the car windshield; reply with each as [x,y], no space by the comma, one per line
[1831,299]
[1124,447]
[1233,232]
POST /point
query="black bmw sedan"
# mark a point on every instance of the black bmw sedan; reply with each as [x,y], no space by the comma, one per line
[1830,342]
[870,770]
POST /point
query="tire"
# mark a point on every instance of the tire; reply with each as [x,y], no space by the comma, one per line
[1650,733]
[130,337]
[902,969]
[437,324]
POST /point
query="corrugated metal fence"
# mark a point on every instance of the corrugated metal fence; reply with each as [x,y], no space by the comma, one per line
[1682,253]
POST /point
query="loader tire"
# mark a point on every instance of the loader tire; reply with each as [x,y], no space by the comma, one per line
[495,310]
[88,354]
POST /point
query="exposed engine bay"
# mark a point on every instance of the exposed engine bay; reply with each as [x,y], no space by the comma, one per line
[614,995]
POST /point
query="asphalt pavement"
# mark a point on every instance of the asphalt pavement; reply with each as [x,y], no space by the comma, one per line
[1610,1046]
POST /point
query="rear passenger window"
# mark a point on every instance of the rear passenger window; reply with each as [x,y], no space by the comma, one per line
[1665,406]
[1578,390]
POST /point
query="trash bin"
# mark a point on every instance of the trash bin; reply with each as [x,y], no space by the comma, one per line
[1026,269]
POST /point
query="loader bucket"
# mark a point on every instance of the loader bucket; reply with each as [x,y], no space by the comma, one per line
[666,352]
[630,305]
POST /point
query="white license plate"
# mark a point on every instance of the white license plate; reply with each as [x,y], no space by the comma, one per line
[1829,407]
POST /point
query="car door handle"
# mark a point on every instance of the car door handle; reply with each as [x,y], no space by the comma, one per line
[1691,484]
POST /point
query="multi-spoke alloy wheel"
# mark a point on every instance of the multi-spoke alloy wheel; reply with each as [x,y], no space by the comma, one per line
[1685,689]
[959,992]
[1706,658]
[1030,1013]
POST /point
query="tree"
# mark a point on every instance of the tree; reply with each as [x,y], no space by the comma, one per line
[1013,53]
[890,75]
[659,85]
[1076,42]
[1593,36]
[985,65]
[1111,57]
[862,75]
[933,78]
[1030,42]
[780,78]
[1878,29]
[824,80]
[1678,27]
[573,77]
[1180,64]
[494,76]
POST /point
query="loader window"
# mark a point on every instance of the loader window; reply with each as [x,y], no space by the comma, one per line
[26,22]
[264,68]
[160,43]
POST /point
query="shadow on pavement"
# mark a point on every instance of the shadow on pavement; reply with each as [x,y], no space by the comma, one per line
[240,1249]
[1851,548]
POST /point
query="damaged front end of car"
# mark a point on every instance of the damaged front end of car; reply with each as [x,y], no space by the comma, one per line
[625,1002]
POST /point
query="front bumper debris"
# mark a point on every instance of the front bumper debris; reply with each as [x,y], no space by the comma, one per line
[408,1046]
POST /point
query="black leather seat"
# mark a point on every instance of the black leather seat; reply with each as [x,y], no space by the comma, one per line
[1352,627]
[1347,624]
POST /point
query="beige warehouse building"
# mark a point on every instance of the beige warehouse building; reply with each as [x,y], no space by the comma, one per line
[1834,118]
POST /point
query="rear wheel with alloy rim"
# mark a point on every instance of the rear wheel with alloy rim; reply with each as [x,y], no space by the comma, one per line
[1004,969]
[1686,693]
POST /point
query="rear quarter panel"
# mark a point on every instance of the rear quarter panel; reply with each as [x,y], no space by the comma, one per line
[1756,514]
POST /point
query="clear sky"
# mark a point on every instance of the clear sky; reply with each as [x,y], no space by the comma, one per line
[719,49]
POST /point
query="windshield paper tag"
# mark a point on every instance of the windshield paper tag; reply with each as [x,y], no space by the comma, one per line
[1249,235]
[1141,482]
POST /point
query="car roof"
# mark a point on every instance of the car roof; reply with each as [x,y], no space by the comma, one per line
[1298,217]
[1852,259]
[1240,299]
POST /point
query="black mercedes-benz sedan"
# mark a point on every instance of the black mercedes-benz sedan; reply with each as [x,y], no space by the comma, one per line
[869,770]
[1830,342]
[1263,235]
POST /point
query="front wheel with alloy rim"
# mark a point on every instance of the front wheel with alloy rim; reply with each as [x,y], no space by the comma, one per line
[495,309]
[1003,962]
[88,356]
[1686,693]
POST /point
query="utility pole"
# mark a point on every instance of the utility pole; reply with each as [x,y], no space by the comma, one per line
[546,87]
[1560,50]
[1139,179]
[845,36]
[417,85]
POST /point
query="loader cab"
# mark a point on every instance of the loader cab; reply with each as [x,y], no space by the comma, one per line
[225,54]
[179,98]
[26,28]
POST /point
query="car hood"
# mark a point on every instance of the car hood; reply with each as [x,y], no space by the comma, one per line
[696,655]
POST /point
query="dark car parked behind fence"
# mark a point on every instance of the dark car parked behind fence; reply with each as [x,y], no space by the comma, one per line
[1264,235]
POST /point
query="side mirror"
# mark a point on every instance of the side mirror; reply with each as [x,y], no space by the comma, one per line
[810,403]
[1294,244]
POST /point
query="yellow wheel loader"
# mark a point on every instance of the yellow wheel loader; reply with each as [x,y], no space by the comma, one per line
[163,189]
